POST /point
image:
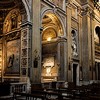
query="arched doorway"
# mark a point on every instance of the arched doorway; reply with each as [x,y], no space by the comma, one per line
[52,48]
[13,41]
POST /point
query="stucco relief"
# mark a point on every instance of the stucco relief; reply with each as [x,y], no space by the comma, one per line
[48,63]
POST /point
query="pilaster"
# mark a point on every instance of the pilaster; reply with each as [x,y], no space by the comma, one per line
[36,43]
[92,47]
[62,59]
[80,41]
[25,53]
[86,43]
[68,30]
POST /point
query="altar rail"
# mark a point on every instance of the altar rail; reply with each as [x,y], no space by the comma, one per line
[18,87]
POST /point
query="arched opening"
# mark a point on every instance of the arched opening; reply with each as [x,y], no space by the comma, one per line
[52,30]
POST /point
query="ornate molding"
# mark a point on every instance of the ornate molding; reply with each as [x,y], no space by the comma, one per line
[68,4]
[12,36]
[87,10]
[54,7]
[72,3]
[29,4]
[26,23]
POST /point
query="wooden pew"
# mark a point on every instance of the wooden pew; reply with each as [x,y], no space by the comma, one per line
[49,95]
[27,96]
[4,88]
[94,97]
[64,92]
[41,95]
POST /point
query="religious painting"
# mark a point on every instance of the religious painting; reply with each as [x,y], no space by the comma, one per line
[13,61]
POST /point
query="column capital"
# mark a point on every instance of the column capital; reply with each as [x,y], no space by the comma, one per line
[87,10]
[68,4]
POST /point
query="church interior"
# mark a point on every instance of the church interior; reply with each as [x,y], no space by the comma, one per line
[49,49]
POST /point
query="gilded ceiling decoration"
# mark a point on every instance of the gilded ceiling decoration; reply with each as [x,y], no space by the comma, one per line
[49,33]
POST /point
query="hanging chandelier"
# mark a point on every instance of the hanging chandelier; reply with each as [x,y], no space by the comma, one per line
[97,4]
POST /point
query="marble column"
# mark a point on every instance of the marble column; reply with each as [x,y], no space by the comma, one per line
[80,42]
[86,44]
[92,45]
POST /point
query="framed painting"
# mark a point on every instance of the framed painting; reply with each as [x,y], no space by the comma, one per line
[13,58]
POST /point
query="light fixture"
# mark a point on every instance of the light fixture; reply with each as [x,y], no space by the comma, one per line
[49,39]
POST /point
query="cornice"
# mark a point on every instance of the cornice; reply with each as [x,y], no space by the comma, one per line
[97,18]
[26,23]
[74,3]
[87,10]
[54,7]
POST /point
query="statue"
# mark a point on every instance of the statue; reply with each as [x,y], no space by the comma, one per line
[74,45]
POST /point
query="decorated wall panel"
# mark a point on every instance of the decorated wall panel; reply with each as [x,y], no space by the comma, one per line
[13,57]
[25,51]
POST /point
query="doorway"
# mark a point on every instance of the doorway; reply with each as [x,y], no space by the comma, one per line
[75,74]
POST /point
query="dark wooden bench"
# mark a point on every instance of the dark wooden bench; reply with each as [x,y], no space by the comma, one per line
[94,97]
[64,92]
[4,88]
[41,95]
[6,97]
[49,95]
[37,86]
[5,91]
